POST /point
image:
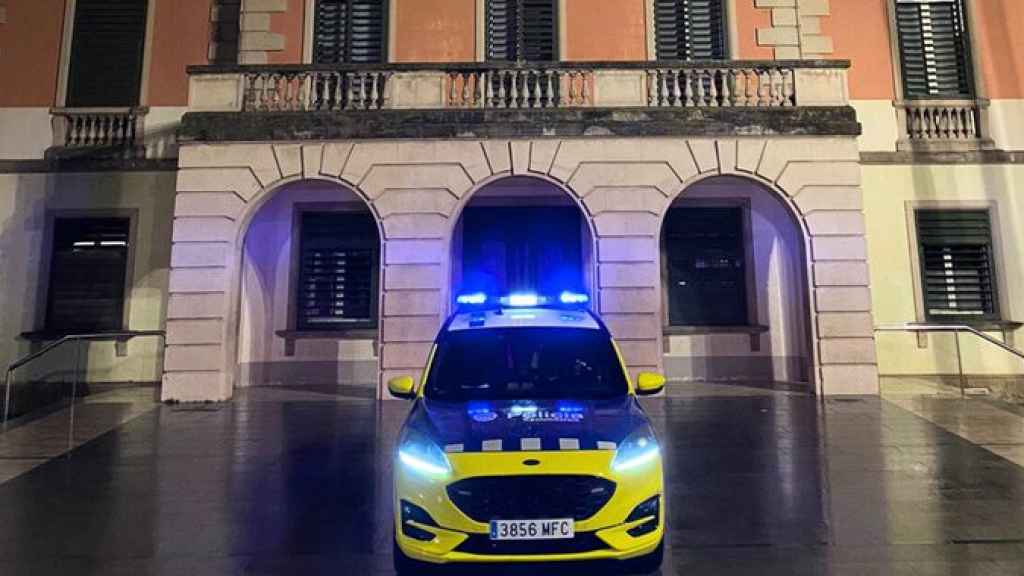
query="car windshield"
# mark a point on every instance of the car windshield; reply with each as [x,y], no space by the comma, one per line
[525,363]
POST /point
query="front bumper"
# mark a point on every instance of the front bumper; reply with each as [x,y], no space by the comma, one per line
[455,537]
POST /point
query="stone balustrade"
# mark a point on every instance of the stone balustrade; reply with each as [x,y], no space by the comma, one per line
[942,124]
[489,85]
[99,128]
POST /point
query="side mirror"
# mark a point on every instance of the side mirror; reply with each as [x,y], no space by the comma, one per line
[402,387]
[648,383]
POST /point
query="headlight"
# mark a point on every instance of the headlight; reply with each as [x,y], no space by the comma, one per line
[421,454]
[638,449]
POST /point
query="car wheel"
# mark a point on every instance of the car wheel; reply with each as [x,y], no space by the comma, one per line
[405,565]
[649,563]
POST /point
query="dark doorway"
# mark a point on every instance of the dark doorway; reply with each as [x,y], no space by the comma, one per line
[508,249]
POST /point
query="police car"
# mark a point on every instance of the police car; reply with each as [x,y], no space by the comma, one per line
[526,442]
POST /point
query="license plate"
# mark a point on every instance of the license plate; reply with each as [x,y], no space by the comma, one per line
[553,529]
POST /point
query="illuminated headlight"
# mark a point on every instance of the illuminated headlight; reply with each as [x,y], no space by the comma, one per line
[420,454]
[638,450]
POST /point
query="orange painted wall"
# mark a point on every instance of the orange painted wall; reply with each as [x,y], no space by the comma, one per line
[860,32]
[748,20]
[30,52]
[292,24]
[181,37]
[998,26]
[435,31]
[605,30]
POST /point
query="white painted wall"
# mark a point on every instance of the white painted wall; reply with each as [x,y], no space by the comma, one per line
[25,133]
[25,201]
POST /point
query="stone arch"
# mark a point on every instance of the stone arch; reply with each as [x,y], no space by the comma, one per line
[555,188]
[263,272]
[783,351]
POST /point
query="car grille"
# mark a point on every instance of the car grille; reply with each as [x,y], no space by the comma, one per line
[487,498]
[482,544]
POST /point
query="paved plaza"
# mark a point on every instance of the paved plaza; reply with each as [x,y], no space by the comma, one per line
[298,481]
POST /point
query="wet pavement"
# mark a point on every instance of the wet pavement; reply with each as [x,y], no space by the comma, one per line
[298,482]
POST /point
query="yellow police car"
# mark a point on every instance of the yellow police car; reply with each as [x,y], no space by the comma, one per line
[526,442]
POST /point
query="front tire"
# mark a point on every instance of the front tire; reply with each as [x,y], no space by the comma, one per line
[651,562]
[405,565]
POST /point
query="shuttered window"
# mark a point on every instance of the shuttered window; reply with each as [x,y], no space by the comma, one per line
[934,48]
[689,29]
[106,53]
[958,279]
[88,267]
[337,285]
[706,260]
[350,31]
[522,30]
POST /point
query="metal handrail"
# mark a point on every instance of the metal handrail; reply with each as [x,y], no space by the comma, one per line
[98,336]
[956,329]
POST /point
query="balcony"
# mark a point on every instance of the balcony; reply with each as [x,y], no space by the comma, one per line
[943,125]
[298,102]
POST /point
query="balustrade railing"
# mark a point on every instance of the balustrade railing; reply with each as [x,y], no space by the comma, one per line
[315,90]
[689,87]
[520,88]
[533,85]
[99,127]
[942,120]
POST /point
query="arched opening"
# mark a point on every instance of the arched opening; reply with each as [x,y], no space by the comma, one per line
[521,234]
[735,300]
[309,286]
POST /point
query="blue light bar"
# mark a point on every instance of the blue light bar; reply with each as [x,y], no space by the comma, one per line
[474,298]
[523,300]
[573,298]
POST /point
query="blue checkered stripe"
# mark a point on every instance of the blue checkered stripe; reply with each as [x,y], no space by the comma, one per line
[529,445]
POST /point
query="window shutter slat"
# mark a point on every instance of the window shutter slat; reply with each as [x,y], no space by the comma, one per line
[337,271]
[689,29]
[87,274]
[522,30]
[106,53]
[933,48]
[956,260]
[350,31]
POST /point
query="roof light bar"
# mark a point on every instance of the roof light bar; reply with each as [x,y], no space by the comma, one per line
[475,298]
[573,298]
[523,300]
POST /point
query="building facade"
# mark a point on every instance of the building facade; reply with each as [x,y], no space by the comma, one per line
[296,190]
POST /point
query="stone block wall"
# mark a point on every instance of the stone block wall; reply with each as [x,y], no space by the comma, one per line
[795,32]
[417,189]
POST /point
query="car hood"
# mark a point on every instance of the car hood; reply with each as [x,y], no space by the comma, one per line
[512,425]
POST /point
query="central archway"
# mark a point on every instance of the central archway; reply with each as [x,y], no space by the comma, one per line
[521,233]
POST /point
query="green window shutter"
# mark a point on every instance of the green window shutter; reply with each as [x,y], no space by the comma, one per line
[522,30]
[337,285]
[350,31]
[957,276]
[88,269]
[934,48]
[106,53]
[689,29]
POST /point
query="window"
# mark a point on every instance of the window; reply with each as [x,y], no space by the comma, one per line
[522,30]
[106,53]
[689,29]
[350,31]
[957,275]
[88,268]
[337,287]
[706,266]
[934,48]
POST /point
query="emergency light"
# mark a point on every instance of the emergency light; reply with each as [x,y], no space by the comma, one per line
[522,300]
